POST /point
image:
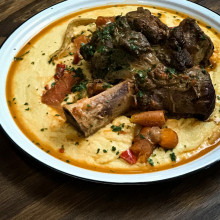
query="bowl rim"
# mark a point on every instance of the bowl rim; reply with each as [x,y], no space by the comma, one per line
[39,21]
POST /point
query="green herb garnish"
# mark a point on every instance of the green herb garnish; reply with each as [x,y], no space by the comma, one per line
[173,156]
[106,85]
[142,136]
[140,93]
[150,161]
[21,57]
[113,148]
[203,37]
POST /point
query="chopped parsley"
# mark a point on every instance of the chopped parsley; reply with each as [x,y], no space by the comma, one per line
[170,70]
[27,109]
[67,161]
[142,136]
[18,58]
[21,57]
[32,63]
[105,151]
[140,93]
[101,49]
[106,85]
[203,37]
[98,150]
[66,98]
[117,128]
[53,84]
[218,97]
[141,74]
[77,143]
[150,161]
[117,153]
[88,105]
[57,115]
[209,27]
[159,15]
[79,87]
[25,103]
[204,71]
[133,47]
[43,129]
[113,148]
[173,156]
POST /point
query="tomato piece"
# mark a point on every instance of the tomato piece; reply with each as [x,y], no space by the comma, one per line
[59,70]
[78,41]
[76,58]
[101,21]
[128,156]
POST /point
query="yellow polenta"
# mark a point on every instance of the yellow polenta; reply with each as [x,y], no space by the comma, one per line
[47,129]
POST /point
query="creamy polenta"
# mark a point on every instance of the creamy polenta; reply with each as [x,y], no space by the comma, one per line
[47,128]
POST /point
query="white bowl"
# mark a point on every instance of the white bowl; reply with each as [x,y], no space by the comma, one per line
[30,28]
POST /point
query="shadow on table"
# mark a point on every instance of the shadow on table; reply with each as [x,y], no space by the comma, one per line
[38,189]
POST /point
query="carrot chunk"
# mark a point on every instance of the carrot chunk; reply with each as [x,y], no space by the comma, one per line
[149,119]
[78,41]
[169,138]
[100,21]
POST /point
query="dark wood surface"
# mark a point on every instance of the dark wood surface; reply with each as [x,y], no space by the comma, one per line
[29,190]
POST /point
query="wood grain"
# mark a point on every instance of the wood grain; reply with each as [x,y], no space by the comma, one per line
[30,190]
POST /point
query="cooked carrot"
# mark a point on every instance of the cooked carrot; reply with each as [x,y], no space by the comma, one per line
[100,21]
[78,41]
[169,138]
[149,119]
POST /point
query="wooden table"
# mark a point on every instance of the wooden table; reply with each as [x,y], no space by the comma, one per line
[29,190]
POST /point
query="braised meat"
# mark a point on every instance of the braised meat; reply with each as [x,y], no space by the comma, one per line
[113,48]
[97,86]
[189,94]
[189,36]
[180,47]
[186,46]
[151,26]
[163,62]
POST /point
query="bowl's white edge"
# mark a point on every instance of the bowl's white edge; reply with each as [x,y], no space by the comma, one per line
[27,30]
